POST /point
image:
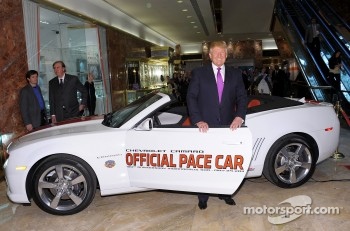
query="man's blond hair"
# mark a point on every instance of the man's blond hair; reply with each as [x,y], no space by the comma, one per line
[221,44]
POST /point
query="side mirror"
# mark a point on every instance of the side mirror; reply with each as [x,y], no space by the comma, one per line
[146,125]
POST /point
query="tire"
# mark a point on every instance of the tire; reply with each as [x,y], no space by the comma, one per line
[290,162]
[63,185]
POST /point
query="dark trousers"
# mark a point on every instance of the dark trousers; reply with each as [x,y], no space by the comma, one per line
[44,120]
[315,47]
[203,197]
[335,82]
[91,107]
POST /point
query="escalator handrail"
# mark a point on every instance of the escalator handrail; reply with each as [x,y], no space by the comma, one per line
[318,73]
[329,8]
[325,26]
[346,51]
[302,39]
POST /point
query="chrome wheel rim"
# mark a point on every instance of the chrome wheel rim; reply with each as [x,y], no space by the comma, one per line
[62,187]
[293,163]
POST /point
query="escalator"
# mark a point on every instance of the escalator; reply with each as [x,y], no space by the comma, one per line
[339,27]
[294,17]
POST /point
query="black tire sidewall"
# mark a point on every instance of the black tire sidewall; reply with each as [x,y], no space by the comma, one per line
[269,169]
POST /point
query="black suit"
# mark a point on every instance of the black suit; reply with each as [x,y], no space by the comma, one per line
[91,99]
[203,101]
[30,108]
[63,99]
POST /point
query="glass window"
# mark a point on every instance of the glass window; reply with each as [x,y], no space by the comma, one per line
[123,115]
[76,43]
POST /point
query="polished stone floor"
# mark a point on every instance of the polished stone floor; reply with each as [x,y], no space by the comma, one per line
[162,210]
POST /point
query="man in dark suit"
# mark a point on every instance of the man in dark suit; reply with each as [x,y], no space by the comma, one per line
[63,98]
[312,38]
[32,103]
[216,96]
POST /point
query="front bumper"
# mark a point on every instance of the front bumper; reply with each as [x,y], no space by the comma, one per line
[16,183]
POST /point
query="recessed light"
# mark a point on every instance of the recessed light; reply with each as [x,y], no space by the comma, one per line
[179,1]
[192,22]
[184,10]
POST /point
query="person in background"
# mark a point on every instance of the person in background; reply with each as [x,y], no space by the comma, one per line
[312,38]
[263,82]
[32,104]
[91,97]
[216,96]
[63,97]
[335,64]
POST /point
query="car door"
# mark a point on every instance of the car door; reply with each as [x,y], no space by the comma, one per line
[183,159]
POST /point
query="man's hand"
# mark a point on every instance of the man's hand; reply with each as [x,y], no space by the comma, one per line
[53,119]
[236,123]
[81,107]
[203,126]
[29,127]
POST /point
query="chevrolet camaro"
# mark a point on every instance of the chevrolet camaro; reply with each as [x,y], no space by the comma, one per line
[150,144]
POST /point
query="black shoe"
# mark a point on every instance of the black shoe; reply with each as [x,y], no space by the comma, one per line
[228,200]
[202,205]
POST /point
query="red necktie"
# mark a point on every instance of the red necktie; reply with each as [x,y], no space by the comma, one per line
[219,83]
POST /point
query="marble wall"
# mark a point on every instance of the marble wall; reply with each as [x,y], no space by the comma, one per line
[119,47]
[13,64]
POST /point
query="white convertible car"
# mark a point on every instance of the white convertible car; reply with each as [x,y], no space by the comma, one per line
[149,145]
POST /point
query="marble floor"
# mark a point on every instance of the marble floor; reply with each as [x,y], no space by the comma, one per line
[163,210]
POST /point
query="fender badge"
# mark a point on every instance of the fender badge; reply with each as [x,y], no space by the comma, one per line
[110,163]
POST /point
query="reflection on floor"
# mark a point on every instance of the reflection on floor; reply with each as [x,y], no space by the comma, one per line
[159,210]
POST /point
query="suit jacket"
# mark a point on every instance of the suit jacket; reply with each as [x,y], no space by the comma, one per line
[66,97]
[29,105]
[309,33]
[203,99]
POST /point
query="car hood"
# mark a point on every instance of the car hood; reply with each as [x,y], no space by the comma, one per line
[69,127]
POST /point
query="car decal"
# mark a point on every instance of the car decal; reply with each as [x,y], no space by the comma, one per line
[185,161]
[256,148]
[110,163]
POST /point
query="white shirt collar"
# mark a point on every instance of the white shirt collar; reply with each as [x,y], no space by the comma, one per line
[222,71]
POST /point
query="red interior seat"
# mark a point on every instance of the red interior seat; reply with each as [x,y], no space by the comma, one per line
[187,122]
[254,103]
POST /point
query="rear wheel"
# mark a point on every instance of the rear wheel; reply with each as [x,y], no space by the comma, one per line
[63,185]
[290,162]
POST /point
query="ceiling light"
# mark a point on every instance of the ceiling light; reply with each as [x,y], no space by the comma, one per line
[189,16]
[184,10]
[192,22]
[179,1]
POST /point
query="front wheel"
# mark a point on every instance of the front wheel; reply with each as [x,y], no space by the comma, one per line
[63,185]
[290,162]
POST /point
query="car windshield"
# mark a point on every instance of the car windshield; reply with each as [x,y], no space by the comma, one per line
[120,117]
